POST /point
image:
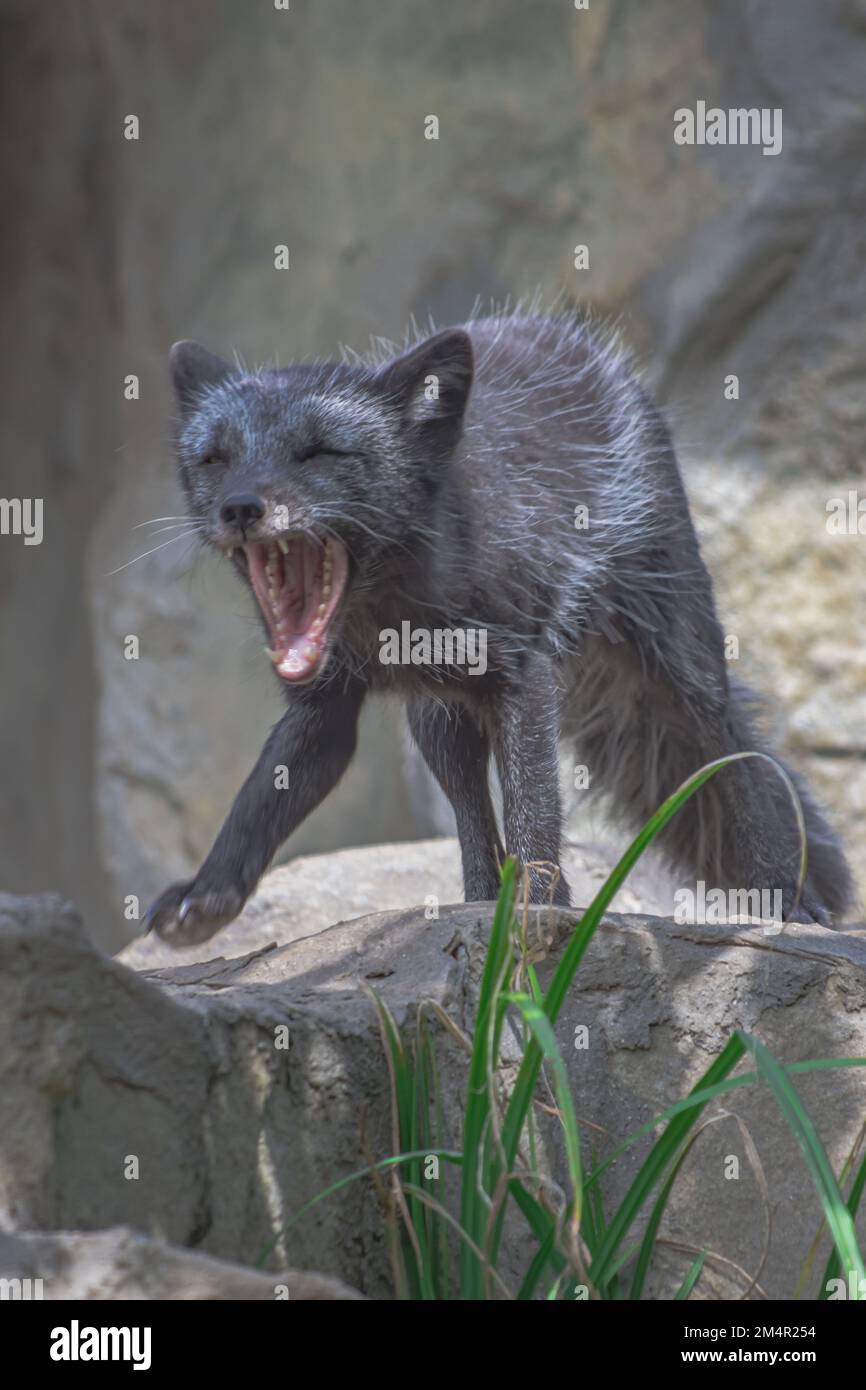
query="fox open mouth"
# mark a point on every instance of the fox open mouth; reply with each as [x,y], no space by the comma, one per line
[298,582]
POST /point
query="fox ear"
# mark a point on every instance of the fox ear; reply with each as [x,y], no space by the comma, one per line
[431,382]
[192,367]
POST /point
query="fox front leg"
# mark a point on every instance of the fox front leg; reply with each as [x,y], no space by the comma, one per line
[314,742]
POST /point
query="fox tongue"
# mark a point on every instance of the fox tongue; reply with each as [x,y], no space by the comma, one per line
[300,647]
[286,585]
[299,580]
[298,584]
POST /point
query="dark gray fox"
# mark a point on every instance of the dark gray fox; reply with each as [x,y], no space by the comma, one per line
[510,479]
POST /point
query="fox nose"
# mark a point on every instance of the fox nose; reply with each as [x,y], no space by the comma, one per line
[243,510]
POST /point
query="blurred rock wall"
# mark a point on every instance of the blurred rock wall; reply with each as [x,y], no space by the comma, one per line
[306,127]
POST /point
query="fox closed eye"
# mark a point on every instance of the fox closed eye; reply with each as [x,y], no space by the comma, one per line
[323,451]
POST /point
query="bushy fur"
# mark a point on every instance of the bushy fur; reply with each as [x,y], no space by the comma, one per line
[459,512]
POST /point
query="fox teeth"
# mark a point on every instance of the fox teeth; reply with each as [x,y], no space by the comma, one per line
[272,655]
[283,544]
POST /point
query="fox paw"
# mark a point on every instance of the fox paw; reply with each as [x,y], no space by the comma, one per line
[809,910]
[187,913]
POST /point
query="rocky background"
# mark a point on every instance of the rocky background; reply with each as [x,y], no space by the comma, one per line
[306,127]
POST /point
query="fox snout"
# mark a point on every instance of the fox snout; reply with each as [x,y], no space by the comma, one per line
[241,511]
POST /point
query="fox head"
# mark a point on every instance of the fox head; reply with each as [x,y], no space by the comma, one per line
[309,477]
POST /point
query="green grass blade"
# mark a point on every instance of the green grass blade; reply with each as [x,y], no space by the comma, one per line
[691,1278]
[539,1264]
[837,1215]
[543,1034]
[419,1137]
[492,1157]
[656,1162]
[534,986]
[592,1225]
[409,1252]
[472,1209]
[833,1264]
[443,1273]
[543,1227]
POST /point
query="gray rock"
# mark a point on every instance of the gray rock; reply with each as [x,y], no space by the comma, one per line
[177,1068]
[120,1264]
